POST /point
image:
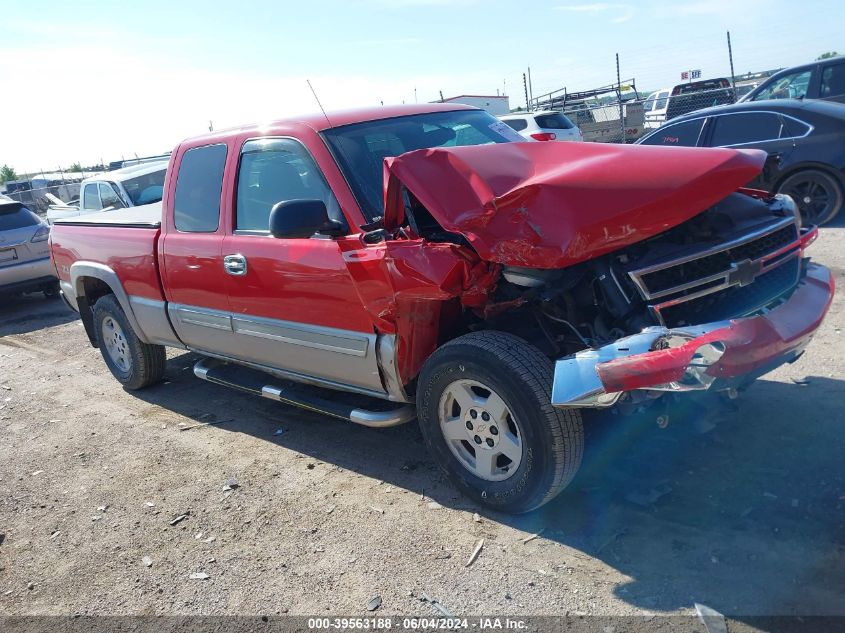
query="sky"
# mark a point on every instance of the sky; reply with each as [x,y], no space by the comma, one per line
[86,81]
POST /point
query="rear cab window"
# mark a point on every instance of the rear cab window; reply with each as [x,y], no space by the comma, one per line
[196,206]
[553,121]
[15,216]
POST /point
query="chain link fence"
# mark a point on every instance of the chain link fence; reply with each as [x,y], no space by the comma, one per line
[620,114]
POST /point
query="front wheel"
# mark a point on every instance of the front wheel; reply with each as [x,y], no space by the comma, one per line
[483,404]
[134,363]
[819,195]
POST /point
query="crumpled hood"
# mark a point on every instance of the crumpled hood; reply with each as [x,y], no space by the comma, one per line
[550,205]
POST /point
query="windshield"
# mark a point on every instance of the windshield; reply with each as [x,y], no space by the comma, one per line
[360,149]
[145,189]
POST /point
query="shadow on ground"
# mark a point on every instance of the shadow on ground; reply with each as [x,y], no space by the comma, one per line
[740,507]
[20,314]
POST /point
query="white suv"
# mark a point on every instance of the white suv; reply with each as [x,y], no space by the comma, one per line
[543,125]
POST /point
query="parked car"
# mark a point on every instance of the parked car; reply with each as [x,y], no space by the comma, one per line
[543,125]
[805,141]
[823,79]
[696,95]
[24,252]
[483,288]
[654,108]
[128,187]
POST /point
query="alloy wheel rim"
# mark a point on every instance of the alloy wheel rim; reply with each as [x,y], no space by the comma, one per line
[480,430]
[116,345]
[812,197]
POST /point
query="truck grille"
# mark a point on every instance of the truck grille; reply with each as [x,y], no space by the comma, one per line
[731,280]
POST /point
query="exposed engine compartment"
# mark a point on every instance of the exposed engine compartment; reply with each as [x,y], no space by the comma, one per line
[737,258]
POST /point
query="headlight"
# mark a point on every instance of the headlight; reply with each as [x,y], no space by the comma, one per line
[789,206]
[41,234]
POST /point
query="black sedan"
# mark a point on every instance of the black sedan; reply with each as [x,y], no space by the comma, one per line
[805,141]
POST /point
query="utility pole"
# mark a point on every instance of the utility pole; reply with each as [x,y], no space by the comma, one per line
[525,86]
[441,96]
[731,59]
[530,87]
[619,97]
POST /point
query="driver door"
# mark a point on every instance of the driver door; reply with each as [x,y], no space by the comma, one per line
[294,305]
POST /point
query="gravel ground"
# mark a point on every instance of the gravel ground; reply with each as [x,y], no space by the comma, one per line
[740,508]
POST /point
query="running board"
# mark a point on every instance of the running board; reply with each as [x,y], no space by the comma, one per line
[260,384]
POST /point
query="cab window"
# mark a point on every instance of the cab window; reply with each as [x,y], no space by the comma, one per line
[109,197]
[273,171]
[196,206]
[91,198]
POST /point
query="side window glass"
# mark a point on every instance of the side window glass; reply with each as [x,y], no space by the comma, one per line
[794,127]
[683,134]
[196,206]
[751,127]
[273,171]
[833,81]
[517,124]
[661,100]
[792,86]
[109,197]
[91,198]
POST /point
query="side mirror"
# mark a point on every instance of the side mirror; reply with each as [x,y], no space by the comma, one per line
[301,219]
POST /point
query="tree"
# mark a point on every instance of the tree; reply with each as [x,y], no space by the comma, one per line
[75,167]
[7,173]
[827,55]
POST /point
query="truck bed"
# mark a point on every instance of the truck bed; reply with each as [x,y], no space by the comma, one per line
[126,241]
[144,216]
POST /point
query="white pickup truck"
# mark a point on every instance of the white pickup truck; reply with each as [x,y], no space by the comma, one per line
[127,187]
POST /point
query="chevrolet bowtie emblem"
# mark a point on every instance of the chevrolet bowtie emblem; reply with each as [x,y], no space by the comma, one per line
[744,272]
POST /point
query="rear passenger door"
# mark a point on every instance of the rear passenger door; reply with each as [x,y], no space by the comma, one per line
[294,305]
[767,131]
[191,247]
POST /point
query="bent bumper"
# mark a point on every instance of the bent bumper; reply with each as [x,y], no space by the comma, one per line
[714,355]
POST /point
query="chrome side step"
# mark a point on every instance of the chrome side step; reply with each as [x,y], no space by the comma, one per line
[311,398]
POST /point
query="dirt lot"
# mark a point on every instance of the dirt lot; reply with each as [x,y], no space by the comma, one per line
[740,509]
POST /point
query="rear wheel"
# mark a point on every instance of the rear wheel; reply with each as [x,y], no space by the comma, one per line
[819,195]
[134,363]
[483,404]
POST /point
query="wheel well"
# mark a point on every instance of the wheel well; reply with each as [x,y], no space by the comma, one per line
[839,177]
[92,289]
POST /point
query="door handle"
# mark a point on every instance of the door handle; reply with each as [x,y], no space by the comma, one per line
[235,264]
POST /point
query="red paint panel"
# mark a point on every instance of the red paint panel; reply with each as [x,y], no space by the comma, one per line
[130,252]
[295,280]
[551,205]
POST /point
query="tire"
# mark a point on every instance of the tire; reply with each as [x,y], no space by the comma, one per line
[134,363]
[495,370]
[818,194]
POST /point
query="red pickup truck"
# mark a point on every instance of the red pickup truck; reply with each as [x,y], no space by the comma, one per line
[422,261]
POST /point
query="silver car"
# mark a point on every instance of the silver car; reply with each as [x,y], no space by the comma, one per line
[25,264]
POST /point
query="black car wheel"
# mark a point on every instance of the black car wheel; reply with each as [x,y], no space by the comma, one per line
[819,195]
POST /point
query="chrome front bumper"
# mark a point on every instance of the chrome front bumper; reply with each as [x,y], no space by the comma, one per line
[697,357]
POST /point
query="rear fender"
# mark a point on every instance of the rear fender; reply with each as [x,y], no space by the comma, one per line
[91,280]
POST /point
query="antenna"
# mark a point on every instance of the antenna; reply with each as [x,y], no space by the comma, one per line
[317,99]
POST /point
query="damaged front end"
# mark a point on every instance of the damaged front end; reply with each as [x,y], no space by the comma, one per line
[635,269]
